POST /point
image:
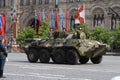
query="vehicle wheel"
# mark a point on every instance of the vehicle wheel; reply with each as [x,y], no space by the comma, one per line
[32,56]
[83,59]
[58,56]
[72,57]
[44,56]
[96,60]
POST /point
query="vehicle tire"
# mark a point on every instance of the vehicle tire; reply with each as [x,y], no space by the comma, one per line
[44,56]
[72,57]
[32,56]
[83,59]
[96,60]
[58,56]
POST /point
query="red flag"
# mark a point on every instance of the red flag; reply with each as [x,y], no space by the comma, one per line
[39,22]
[39,18]
[80,15]
[56,19]
[47,16]
[3,23]
[66,15]
[3,27]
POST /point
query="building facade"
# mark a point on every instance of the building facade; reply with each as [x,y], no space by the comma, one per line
[97,12]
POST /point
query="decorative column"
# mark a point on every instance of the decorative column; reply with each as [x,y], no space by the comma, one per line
[107,21]
[89,21]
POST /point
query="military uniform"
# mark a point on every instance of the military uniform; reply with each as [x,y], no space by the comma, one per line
[80,34]
[3,55]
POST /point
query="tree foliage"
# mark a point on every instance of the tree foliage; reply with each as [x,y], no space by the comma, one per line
[100,34]
[116,36]
[84,27]
[44,30]
[29,32]
[86,30]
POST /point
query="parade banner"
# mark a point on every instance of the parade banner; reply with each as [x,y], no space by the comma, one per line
[66,20]
[47,16]
[35,19]
[39,18]
[2,26]
[52,20]
[62,20]
[56,19]
[43,15]
[80,15]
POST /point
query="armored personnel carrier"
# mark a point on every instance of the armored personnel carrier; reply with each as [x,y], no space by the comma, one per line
[64,49]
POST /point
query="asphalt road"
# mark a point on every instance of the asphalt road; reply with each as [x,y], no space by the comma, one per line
[18,68]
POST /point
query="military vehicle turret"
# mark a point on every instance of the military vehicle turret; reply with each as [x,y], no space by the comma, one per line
[68,49]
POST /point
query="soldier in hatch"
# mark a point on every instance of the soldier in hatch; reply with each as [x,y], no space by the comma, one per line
[80,33]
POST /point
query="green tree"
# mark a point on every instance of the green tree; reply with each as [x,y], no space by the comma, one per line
[27,32]
[44,30]
[116,36]
[100,34]
[86,30]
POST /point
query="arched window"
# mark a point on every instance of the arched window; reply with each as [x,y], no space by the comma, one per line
[71,0]
[40,1]
[12,2]
[56,3]
[34,2]
[27,2]
[115,21]
[72,21]
[98,20]
[0,3]
[4,3]
[21,2]
[46,1]
[77,0]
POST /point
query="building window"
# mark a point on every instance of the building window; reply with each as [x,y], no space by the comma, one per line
[0,3]
[98,20]
[77,0]
[71,0]
[34,2]
[115,21]
[46,1]
[56,3]
[72,21]
[12,2]
[40,1]
[27,2]
[21,2]
[4,3]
